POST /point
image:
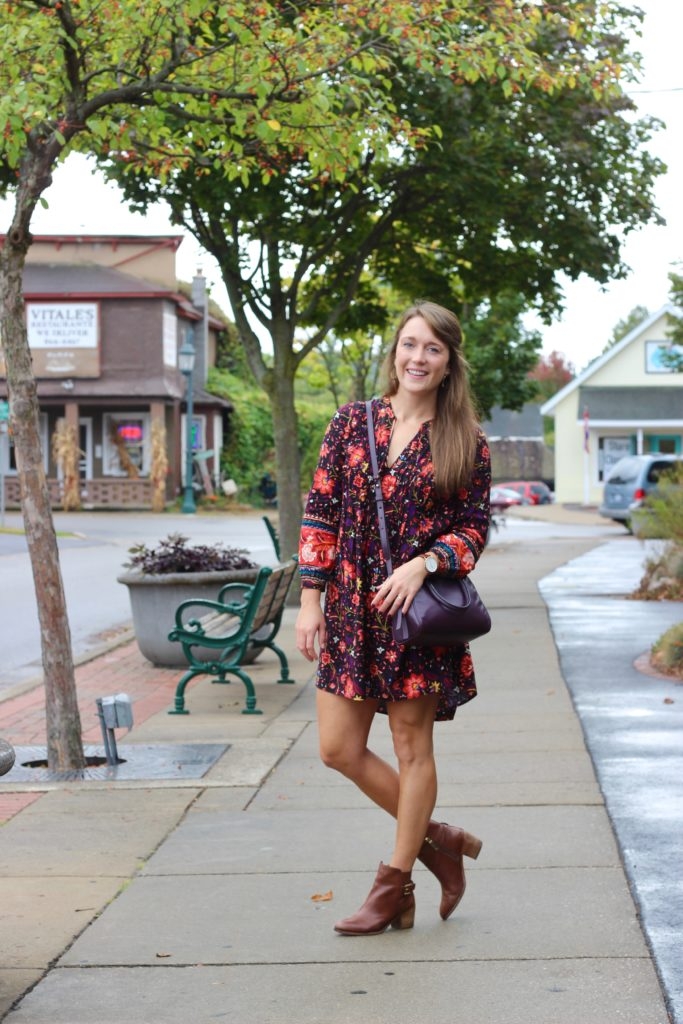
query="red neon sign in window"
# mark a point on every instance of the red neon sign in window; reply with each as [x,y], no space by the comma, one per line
[130,432]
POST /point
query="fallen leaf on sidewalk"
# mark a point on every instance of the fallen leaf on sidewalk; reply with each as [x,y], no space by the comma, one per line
[322,897]
[162,955]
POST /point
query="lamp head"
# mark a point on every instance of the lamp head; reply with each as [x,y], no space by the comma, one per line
[186,357]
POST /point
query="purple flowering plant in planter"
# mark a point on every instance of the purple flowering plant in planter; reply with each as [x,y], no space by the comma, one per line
[175,555]
[161,577]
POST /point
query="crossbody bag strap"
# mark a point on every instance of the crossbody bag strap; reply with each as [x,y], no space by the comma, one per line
[379,497]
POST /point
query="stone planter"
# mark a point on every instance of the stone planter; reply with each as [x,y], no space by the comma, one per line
[153,602]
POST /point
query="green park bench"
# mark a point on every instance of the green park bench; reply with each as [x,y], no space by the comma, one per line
[219,637]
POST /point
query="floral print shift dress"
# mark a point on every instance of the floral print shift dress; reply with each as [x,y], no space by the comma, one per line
[340,553]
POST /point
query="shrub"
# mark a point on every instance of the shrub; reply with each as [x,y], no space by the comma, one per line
[249,449]
[174,555]
[663,576]
[667,652]
[661,514]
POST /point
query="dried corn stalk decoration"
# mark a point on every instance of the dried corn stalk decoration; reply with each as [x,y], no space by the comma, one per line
[159,468]
[125,461]
[67,454]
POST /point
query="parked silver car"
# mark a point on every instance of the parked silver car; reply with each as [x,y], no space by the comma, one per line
[629,483]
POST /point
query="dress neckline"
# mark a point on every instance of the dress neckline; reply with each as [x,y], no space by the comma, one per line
[407,446]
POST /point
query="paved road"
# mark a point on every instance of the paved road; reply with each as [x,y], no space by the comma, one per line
[93,548]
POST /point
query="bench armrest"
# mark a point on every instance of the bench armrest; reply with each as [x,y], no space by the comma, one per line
[204,606]
[242,590]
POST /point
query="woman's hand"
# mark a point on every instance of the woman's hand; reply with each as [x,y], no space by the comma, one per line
[399,589]
[310,622]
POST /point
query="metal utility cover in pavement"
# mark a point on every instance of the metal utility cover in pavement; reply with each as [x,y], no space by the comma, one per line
[139,762]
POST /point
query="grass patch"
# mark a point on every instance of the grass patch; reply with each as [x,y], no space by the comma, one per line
[18,531]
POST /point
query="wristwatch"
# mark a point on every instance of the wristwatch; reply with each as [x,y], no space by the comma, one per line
[431,562]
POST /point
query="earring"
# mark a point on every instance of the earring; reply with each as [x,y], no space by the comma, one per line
[444,381]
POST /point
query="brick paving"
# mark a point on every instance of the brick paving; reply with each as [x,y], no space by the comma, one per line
[122,670]
[12,803]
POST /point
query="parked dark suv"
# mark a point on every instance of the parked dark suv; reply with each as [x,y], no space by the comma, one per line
[630,481]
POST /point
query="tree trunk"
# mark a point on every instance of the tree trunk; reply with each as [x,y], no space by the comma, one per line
[64,743]
[286,451]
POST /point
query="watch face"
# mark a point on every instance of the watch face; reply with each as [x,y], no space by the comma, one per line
[431,563]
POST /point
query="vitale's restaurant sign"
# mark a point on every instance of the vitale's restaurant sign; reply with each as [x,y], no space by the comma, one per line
[63,338]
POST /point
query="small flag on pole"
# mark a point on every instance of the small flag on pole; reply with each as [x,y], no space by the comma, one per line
[586,430]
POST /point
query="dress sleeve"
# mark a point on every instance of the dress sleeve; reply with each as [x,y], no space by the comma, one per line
[320,524]
[459,549]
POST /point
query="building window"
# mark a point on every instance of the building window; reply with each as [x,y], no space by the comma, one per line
[610,450]
[126,443]
[169,335]
[198,432]
[664,444]
[198,436]
[663,357]
[8,460]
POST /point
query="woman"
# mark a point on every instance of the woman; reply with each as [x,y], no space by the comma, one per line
[435,476]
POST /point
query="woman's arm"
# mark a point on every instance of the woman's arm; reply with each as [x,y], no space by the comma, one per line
[459,548]
[318,540]
[320,524]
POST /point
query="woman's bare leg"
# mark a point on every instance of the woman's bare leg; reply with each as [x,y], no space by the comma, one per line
[412,727]
[409,795]
[344,727]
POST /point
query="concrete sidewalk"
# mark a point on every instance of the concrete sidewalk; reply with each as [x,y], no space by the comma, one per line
[178,900]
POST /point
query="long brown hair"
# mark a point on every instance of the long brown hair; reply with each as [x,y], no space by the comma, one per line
[455,428]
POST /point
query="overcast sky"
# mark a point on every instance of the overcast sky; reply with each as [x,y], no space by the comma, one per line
[80,201]
[591,313]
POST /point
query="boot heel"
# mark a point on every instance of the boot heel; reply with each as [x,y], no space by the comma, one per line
[404,920]
[471,846]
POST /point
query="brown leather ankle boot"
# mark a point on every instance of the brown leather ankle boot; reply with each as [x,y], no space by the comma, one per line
[442,852]
[390,902]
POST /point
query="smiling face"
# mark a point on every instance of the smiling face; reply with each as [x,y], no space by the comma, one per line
[421,359]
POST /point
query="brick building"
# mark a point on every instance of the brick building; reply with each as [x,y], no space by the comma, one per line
[105,320]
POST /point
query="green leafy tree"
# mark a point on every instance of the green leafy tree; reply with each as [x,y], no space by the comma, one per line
[673,358]
[346,367]
[239,85]
[627,324]
[501,354]
[507,179]
[348,360]
[325,371]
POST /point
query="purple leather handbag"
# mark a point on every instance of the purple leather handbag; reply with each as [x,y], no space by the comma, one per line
[447,611]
